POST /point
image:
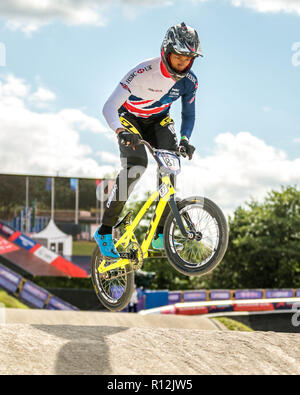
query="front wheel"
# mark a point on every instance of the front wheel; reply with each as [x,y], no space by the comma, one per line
[113,288]
[202,253]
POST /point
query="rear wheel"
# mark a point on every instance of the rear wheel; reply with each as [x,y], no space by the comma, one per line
[113,288]
[202,252]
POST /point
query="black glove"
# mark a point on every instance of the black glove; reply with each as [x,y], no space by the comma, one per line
[127,137]
[186,149]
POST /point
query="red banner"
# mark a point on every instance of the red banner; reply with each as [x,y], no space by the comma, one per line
[6,246]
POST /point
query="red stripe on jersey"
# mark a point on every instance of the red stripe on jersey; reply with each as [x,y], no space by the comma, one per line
[145,112]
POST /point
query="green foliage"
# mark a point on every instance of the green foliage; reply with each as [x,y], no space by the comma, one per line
[263,250]
[10,301]
[233,325]
[63,282]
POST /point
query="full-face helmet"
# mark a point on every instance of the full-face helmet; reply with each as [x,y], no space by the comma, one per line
[183,40]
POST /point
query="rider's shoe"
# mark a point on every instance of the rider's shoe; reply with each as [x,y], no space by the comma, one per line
[106,245]
[158,243]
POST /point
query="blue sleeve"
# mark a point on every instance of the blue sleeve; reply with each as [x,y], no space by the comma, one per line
[188,108]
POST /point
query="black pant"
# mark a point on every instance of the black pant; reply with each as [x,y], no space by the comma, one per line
[160,133]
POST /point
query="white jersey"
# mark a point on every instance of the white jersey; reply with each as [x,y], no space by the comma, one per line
[147,91]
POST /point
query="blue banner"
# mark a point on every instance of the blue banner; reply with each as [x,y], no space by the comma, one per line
[174,297]
[194,296]
[25,242]
[58,304]
[220,295]
[279,293]
[9,280]
[248,294]
[34,295]
[48,184]
[73,183]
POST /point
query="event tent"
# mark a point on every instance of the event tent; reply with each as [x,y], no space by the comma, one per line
[54,239]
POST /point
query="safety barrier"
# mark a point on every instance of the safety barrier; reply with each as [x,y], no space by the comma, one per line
[223,294]
[29,293]
[218,300]
[207,307]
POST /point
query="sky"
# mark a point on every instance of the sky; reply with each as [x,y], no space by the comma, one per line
[61,59]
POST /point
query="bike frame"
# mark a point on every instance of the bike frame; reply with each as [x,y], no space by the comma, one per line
[164,197]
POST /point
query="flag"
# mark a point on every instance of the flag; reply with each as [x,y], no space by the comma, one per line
[73,183]
[48,184]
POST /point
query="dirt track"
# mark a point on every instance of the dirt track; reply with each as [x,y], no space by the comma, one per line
[107,343]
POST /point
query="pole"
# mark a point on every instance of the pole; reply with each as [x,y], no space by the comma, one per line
[26,206]
[97,204]
[101,205]
[52,198]
[76,201]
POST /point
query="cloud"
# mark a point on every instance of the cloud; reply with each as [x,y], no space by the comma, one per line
[44,142]
[108,157]
[42,97]
[241,166]
[288,6]
[29,15]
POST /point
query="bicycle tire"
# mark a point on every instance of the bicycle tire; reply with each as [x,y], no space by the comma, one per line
[112,304]
[183,265]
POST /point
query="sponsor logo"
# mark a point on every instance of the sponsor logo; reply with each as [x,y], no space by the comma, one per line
[45,255]
[125,87]
[166,121]
[139,71]
[111,196]
[174,92]
[155,90]
[127,125]
[192,78]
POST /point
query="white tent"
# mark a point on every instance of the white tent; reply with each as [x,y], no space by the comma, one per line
[54,239]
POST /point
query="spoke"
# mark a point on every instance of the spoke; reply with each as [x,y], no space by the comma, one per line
[193,251]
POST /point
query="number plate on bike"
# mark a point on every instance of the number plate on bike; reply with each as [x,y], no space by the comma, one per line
[169,162]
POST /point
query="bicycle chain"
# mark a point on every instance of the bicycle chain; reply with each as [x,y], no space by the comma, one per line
[137,263]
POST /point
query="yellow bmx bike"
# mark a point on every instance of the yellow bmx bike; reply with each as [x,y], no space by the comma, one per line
[195,237]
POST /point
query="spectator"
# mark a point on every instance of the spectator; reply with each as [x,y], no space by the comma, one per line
[132,307]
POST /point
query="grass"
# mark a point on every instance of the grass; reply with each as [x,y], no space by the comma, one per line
[83,247]
[233,325]
[10,301]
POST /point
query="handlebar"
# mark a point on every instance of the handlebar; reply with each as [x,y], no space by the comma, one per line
[180,151]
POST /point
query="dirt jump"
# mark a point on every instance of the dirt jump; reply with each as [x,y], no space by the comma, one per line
[46,342]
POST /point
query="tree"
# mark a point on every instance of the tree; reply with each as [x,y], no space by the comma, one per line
[263,249]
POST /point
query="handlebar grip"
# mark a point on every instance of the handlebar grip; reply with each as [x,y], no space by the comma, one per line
[182,151]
